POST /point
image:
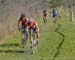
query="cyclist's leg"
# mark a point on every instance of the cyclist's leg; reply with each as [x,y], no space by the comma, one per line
[37,32]
[30,38]
[55,19]
[46,19]
[43,19]
[22,30]
[37,38]
[24,37]
[35,41]
[37,35]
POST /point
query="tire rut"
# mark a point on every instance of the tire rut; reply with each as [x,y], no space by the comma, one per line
[61,43]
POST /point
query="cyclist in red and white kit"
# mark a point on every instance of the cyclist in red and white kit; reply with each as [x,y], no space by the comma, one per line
[27,24]
[22,26]
[32,24]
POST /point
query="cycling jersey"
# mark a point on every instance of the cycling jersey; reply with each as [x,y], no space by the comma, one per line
[23,24]
[44,13]
[33,24]
[54,13]
[23,21]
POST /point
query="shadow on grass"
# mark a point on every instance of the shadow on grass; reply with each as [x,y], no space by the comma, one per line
[9,50]
[17,51]
[9,45]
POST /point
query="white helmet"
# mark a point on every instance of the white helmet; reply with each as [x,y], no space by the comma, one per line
[30,20]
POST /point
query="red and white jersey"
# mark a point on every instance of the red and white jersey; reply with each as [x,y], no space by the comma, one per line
[23,21]
[33,24]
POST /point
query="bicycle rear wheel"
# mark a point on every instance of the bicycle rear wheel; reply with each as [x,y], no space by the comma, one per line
[24,38]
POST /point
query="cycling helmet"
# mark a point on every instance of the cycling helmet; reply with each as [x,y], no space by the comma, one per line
[44,10]
[23,15]
[54,9]
[30,20]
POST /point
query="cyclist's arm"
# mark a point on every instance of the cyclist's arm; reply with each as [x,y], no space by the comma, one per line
[36,26]
[47,14]
[19,24]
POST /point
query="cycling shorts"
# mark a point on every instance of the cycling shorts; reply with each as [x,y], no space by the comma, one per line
[35,30]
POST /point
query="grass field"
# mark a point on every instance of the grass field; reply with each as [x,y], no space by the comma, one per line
[57,42]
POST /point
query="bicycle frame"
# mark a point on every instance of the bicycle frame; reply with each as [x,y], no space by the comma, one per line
[33,40]
[24,36]
[32,34]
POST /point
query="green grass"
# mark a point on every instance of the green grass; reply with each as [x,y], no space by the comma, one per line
[49,41]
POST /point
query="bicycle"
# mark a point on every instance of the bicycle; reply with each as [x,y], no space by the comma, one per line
[34,41]
[24,36]
[45,19]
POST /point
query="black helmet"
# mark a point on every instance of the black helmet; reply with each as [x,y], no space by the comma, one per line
[44,9]
[23,15]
